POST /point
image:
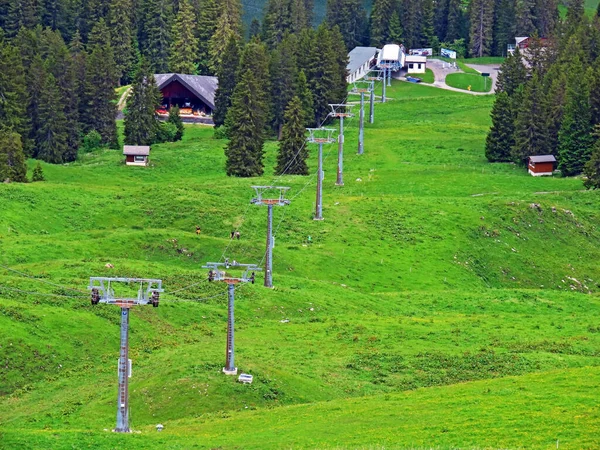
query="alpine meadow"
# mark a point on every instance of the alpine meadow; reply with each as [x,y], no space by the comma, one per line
[167,280]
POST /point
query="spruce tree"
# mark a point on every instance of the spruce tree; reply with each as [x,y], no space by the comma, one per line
[575,136]
[184,46]
[293,151]
[227,80]
[512,73]
[504,26]
[481,15]
[207,25]
[525,13]
[246,124]
[456,21]
[141,122]
[255,58]
[380,22]
[101,79]
[500,138]
[155,33]
[283,71]
[350,17]
[592,167]
[277,21]
[36,79]
[395,31]
[531,131]
[12,160]
[306,99]
[175,119]
[121,38]
[595,95]
[225,30]
[52,135]
[38,173]
[255,28]
[555,86]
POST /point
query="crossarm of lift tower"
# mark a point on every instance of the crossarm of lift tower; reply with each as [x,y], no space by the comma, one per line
[261,198]
[216,274]
[103,292]
[341,110]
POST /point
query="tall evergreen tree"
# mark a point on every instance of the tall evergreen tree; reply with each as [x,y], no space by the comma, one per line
[456,21]
[500,138]
[277,21]
[575,136]
[379,26]
[255,58]
[531,132]
[555,86]
[141,122]
[52,135]
[246,123]
[306,99]
[184,46]
[175,119]
[396,34]
[121,38]
[504,26]
[595,94]
[21,14]
[283,70]
[546,17]
[592,167]
[228,25]
[12,160]
[481,15]
[155,33]
[227,75]
[101,79]
[207,25]
[293,151]
[350,17]
[512,74]
[525,13]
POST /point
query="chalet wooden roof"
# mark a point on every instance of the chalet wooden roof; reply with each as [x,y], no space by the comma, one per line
[542,158]
[136,150]
[201,86]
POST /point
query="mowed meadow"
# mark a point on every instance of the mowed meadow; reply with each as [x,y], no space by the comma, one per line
[444,302]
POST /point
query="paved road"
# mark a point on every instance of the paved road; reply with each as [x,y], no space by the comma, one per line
[440,69]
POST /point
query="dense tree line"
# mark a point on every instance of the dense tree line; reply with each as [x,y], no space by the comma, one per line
[548,99]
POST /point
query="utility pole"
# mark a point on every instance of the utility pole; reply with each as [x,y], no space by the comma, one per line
[269,202]
[362,87]
[103,293]
[215,274]
[376,77]
[320,136]
[340,111]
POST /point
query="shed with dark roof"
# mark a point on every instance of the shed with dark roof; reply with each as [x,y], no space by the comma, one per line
[136,155]
[541,165]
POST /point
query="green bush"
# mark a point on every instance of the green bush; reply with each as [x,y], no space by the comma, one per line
[91,141]
[166,132]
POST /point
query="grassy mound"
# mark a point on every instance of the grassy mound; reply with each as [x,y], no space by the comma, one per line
[469,82]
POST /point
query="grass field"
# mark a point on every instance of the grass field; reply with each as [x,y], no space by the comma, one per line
[428,76]
[435,308]
[476,82]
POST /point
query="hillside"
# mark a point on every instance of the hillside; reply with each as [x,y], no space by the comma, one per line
[444,301]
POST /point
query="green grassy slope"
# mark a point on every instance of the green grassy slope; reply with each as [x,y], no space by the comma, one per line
[432,286]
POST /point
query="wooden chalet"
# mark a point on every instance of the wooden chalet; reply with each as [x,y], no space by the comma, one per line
[136,155]
[193,94]
[540,165]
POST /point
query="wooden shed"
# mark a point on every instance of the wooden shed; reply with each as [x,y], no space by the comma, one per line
[136,155]
[541,165]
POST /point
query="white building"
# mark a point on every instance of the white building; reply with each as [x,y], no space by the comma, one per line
[360,60]
[392,57]
[416,64]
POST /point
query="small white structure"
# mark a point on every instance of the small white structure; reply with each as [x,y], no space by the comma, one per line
[245,378]
[416,64]
[360,60]
[159,427]
[136,155]
[392,57]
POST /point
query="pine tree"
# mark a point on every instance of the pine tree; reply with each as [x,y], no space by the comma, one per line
[255,28]
[175,119]
[504,26]
[101,79]
[456,21]
[207,25]
[21,14]
[79,65]
[555,86]
[246,124]
[350,17]
[512,74]
[228,26]
[255,58]
[380,22]
[38,173]
[531,132]
[121,38]
[283,70]
[395,32]
[424,31]
[575,15]
[36,79]
[500,138]
[592,167]
[184,46]
[595,95]
[51,140]
[155,35]
[293,151]
[441,19]
[306,99]
[525,13]
[575,136]
[227,75]
[546,17]
[141,122]
[12,160]
[277,21]
[481,14]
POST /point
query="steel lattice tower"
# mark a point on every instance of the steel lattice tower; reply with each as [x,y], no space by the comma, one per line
[269,202]
[215,274]
[103,293]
